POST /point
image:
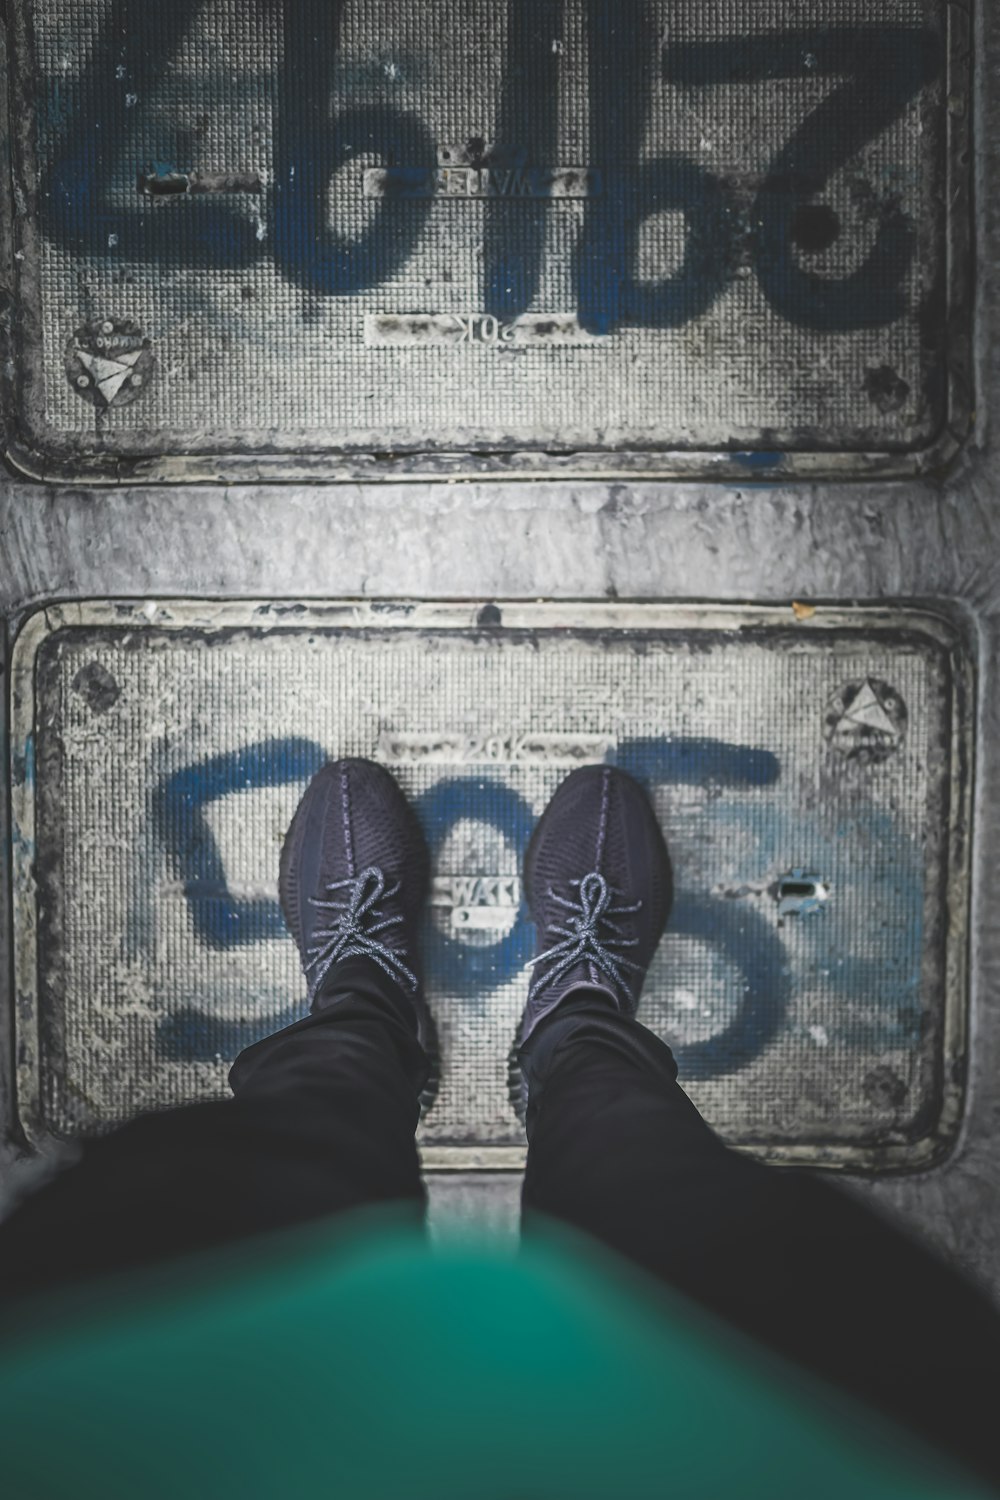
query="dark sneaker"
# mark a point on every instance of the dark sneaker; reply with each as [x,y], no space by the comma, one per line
[354,876]
[598,884]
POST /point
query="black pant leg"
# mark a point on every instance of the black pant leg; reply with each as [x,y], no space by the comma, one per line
[617,1149]
[323,1121]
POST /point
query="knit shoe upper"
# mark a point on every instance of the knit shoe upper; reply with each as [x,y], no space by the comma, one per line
[354,875]
[597,880]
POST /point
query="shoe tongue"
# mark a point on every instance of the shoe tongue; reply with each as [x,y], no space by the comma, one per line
[580,988]
[579,980]
[585,975]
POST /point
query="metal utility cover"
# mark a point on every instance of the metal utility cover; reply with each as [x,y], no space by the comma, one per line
[312,238]
[811,775]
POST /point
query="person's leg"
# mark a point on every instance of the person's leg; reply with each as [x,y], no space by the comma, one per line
[324,1112]
[618,1150]
[322,1121]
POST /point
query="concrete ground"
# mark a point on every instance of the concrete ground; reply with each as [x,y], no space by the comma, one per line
[930,539]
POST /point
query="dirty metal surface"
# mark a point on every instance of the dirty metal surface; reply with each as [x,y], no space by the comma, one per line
[810,773]
[541,237]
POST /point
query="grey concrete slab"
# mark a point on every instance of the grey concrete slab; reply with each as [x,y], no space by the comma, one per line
[811,772]
[559,237]
[480,1202]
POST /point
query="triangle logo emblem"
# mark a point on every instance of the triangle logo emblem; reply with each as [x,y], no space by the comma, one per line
[867,712]
[109,375]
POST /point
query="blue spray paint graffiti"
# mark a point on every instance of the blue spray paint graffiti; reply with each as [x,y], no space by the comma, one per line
[883,68]
[747,941]
[75,202]
[191,1035]
[621,45]
[875,874]
[477,970]
[696,762]
[220,919]
[223,922]
[755,461]
[310,149]
[529,111]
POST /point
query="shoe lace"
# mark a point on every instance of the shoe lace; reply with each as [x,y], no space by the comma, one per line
[582,937]
[352,928]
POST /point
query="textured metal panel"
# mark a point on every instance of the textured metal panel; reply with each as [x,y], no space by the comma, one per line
[810,771]
[547,236]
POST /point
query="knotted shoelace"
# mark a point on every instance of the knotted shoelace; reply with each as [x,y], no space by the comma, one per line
[582,937]
[352,930]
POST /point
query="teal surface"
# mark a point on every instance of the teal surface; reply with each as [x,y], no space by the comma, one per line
[369,1363]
